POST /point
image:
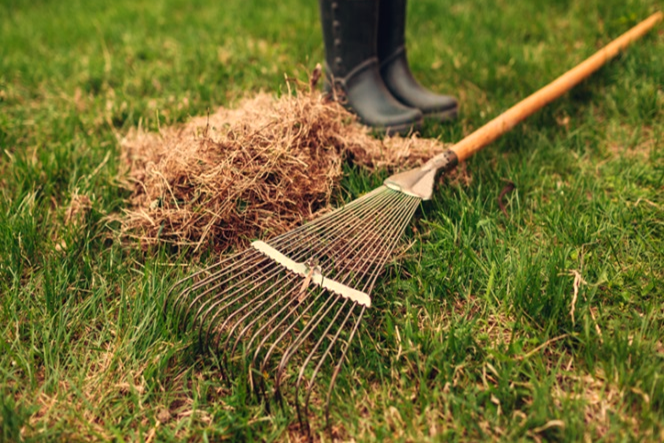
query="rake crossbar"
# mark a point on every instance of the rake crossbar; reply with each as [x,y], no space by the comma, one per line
[303,270]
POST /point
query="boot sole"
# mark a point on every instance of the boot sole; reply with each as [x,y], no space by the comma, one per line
[402,129]
[442,116]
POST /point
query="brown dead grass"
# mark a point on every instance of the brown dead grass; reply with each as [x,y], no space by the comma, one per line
[257,170]
[84,413]
[603,402]
[640,148]
[78,208]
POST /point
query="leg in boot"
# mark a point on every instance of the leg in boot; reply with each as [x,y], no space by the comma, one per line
[349,31]
[394,65]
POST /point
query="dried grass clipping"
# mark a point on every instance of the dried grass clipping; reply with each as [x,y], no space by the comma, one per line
[255,171]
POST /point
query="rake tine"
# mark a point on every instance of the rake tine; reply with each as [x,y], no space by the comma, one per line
[297,343]
[332,244]
[259,260]
[193,277]
[264,313]
[274,329]
[327,217]
[368,287]
[337,368]
[224,357]
[406,209]
[288,354]
[290,278]
[358,224]
[262,266]
[243,294]
[251,253]
[214,310]
[338,228]
[368,213]
[318,366]
[273,272]
[179,301]
[325,220]
[376,248]
[329,300]
[373,246]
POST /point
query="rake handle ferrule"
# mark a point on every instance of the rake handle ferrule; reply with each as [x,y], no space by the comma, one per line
[508,119]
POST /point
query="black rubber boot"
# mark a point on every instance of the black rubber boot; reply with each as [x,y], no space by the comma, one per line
[349,30]
[394,65]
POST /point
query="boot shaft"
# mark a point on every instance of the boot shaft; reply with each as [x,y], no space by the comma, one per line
[391,27]
[349,32]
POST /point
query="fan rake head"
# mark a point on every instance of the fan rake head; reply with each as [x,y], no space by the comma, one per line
[296,301]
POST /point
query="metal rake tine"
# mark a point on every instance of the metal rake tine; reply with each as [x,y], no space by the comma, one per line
[252,254]
[372,280]
[326,217]
[372,265]
[312,324]
[399,212]
[332,244]
[254,258]
[297,343]
[337,369]
[264,265]
[209,310]
[253,261]
[351,221]
[295,258]
[360,225]
[213,302]
[405,206]
[341,229]
[222,277]
[337,212]
[319,365]
[267,336]
[344,275]
[242,294]
[264,314]
[179,283]
[275,270]
[275,328]
[290,279]
[311,229]
[268,323]
[329,300]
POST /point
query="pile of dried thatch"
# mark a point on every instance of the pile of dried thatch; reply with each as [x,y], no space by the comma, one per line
[249,172]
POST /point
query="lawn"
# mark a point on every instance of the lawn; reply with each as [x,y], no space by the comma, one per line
[544,323]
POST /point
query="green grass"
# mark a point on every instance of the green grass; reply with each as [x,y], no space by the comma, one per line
[471,337]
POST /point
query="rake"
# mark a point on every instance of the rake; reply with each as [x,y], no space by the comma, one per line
[297,300]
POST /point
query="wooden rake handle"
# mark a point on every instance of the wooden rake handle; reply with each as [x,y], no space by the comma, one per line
[508,119]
